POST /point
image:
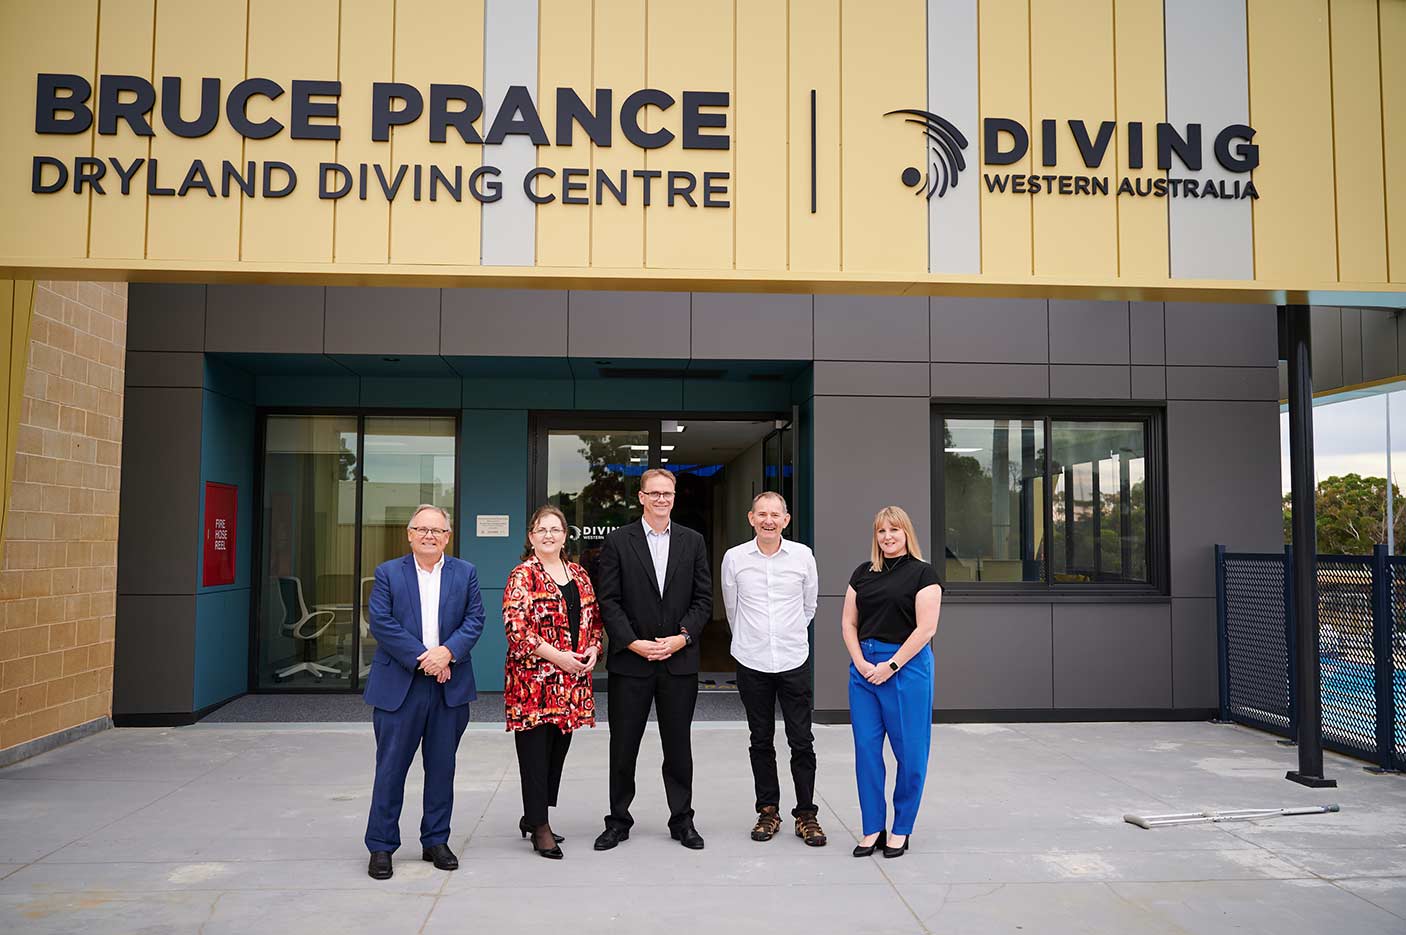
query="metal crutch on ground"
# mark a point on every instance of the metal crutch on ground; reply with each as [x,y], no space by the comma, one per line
[1242,814]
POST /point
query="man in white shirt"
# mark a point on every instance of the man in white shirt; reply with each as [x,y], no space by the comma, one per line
[769,590]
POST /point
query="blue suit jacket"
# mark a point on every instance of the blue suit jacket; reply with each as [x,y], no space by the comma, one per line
[394,621]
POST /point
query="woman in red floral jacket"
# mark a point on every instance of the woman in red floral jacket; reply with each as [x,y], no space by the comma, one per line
[554,639]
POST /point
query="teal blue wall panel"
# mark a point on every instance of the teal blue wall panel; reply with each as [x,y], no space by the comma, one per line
[493,450]
[502,393]
[423,393]
[736,396]
[227,453]
[297,391]
[626,394]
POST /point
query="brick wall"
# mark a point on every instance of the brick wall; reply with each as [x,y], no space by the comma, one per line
[58,576]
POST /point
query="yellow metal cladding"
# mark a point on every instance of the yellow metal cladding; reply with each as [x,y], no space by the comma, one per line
[813,237]
[1327,96]
[1139,59]
[1392,21]
[197,39]
[1003,53]
[117,226]
[884,229]
[288,40]
[1291,108]
[565,31]
[762,103]
[1072,78]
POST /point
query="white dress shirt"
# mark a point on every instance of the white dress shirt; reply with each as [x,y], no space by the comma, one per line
[429,602]
[770,601]
[658,551]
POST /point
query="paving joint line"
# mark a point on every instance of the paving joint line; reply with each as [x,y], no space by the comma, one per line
[887,879]
[434,903]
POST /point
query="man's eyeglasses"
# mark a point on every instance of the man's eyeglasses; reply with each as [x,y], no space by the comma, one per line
[552,531]
[658,494]
[429,531]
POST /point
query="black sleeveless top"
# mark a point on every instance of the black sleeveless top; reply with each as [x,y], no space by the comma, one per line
[888,599]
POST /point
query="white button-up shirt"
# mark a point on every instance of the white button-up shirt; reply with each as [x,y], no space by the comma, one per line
[429,601]
[770,601]
[658,551]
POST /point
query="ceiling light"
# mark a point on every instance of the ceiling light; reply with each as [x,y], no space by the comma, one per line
[667,447]
[637,460]
[638,447]
[961,451]
[664,460]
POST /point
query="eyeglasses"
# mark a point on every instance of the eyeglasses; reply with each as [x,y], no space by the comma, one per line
[545,531]
[658,494]
[429,531]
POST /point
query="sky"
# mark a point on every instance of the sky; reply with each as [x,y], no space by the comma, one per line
[1350,437]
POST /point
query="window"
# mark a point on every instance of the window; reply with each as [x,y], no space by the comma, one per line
[1047,500]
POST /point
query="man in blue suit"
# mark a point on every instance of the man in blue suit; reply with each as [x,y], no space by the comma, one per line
[426,615]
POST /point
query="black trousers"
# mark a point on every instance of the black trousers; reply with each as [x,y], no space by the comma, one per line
[760,692]
[541,752]
[674,698]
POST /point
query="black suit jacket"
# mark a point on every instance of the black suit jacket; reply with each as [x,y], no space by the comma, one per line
[630,604]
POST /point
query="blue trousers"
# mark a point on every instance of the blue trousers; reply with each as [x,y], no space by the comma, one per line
[901,708]
[426,723]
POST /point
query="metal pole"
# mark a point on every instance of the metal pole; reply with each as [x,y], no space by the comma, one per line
[1382,662]
[1305,557]
[1390,505]
[1222,638]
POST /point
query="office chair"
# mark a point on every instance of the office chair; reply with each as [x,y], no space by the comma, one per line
[301,624]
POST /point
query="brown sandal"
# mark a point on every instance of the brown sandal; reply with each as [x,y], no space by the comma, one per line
[768,824]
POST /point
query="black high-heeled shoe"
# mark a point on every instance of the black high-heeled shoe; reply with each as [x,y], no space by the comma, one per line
[551,853]
[526,829]
[897,851]
[861,850]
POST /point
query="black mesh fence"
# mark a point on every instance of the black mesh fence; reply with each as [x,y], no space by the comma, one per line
[1361,640]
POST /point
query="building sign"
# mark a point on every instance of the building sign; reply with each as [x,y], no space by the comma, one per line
[65,105]
[221,511]
[491,525]
[1006,141]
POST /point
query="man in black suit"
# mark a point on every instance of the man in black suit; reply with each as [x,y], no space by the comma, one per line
[656,595]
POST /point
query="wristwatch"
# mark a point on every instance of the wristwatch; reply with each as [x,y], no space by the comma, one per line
[893,665]
[687,640]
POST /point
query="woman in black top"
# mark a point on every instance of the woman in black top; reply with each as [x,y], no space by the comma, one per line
[890,617]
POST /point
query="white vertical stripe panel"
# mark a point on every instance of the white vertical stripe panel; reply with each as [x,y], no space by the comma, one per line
[1208,82]
[954,220]
[509,58]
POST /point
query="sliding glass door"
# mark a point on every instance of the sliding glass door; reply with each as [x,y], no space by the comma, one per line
[337,493]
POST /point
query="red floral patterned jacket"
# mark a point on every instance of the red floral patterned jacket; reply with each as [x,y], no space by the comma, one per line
[535,691]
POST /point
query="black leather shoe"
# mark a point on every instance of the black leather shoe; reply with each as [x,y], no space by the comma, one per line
[688,836]
[379,868]
[441,856]
[611,837]
[526,829]
[861,850]
[897,851]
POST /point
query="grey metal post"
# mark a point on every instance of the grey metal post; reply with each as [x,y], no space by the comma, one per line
[1305,556]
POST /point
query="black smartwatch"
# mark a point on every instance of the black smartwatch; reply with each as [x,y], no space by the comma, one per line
[687,640]
[893,665]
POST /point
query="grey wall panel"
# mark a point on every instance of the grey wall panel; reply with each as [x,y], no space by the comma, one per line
[869,452]
[1007,331]
[609,325]
[509,225]
[1223,486]
[1147,327]
[1208,82]
[993,656]
[1352,346]
[152,652]
[997,381]
[1205,334]
[1149,382]
[1112,656]
[165,317]
[1083,332]
[831,658]
[1283,369]
[503,322]
[870,378]
[954,217]
[159,502]
[1222,382]
[1089,381]
[876,327]
[265,319]
[162,368]
[1195,679]
[1326,322]
[752,326]
[1379,344]
[369,320]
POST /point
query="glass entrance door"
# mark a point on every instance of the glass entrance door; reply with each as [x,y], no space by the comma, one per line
[337,494]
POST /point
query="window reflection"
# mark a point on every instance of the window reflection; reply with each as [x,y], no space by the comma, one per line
[992,472]
[1099,533]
